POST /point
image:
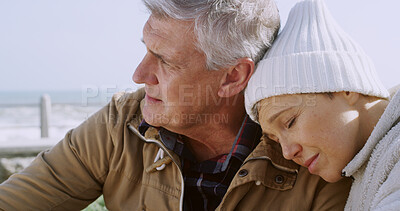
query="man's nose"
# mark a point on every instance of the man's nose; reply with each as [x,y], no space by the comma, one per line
[290,150]
[145,72]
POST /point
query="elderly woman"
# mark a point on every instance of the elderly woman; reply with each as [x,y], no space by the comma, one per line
[316,93]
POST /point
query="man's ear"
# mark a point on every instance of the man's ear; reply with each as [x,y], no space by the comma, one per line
[351,97]
[236,77]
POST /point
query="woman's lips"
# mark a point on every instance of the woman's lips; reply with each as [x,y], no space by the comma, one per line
[311,163]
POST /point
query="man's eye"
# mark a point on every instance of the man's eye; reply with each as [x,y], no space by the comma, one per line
[163,62]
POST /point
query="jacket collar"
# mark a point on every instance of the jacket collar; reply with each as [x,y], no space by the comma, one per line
[272,151]
[151,135]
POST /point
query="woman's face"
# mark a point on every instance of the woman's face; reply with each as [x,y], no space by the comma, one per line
[314,130]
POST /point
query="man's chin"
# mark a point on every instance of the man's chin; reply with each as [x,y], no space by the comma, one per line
[155,119]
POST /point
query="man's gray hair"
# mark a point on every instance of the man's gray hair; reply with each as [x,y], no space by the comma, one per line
[226,30]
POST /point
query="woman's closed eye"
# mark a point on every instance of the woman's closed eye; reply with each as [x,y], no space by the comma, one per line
[291,122]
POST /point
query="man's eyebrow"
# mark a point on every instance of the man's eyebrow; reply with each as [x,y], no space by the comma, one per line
[152,52]
[273,117]
[156,55]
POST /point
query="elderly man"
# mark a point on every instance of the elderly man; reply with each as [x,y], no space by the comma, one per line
[184,142]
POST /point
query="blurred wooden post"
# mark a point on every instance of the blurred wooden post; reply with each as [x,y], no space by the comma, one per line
[45,110]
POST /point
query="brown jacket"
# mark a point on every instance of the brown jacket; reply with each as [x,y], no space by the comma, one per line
[106,155]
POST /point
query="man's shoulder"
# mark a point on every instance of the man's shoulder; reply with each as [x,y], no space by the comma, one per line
[122,98]
[124,107]
[273,151]
[127,102]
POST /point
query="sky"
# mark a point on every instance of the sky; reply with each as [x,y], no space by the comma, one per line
[82,44]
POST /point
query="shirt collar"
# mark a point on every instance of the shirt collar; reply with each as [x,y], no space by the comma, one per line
[246,140]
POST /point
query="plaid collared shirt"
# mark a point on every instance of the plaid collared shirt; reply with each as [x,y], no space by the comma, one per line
[207,182]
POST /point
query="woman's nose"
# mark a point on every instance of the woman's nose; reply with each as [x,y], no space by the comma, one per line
[290,150]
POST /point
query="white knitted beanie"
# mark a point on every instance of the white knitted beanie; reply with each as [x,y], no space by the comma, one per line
[312,54]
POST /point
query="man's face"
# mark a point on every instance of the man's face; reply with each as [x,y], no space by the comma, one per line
[179,88]
[314,131]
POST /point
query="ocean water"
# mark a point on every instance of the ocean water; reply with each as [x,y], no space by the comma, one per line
[20,115]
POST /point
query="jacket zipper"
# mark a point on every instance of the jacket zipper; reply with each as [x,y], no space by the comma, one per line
[133,129]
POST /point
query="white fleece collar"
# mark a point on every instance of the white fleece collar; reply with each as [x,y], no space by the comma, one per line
[389,117]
